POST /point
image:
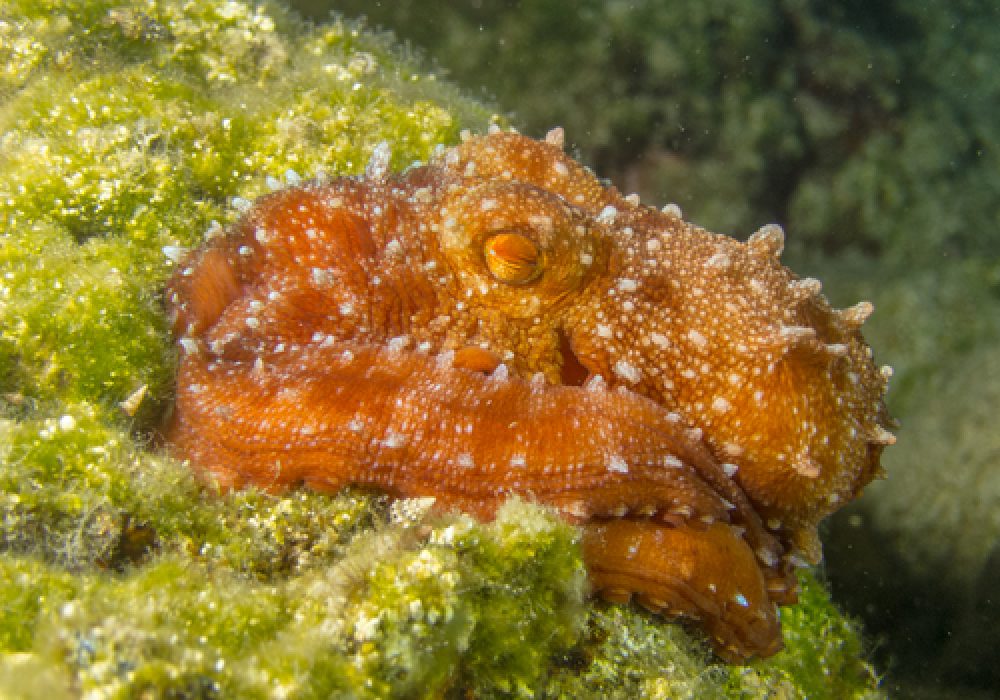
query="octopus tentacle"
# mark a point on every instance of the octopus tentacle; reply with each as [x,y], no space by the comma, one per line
[705,574]
[338,415]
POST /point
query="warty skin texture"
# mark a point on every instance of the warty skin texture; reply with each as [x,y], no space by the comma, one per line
[498,322]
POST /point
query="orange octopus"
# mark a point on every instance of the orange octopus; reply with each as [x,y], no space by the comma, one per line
[499,322]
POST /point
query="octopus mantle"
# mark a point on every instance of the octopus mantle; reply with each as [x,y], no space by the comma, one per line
[499,322]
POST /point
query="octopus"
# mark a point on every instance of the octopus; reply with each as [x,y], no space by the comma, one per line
[498,322]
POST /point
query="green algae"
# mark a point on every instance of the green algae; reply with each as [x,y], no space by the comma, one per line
[125,130]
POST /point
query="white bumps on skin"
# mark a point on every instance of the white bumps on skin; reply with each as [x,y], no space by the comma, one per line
[628,371]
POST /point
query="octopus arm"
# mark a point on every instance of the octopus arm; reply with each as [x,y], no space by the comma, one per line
[415,425]
[708,575]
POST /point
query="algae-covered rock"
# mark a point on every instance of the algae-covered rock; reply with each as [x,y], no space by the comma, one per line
[128,131]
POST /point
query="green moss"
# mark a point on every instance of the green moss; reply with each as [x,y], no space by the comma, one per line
[125,130]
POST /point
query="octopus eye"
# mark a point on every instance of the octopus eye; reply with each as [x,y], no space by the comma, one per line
[512,258]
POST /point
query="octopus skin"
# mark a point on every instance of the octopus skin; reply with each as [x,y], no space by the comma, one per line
[498,322]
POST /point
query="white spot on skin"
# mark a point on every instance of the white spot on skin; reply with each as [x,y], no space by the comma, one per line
[627,285]
[603,330]
[718,261]
[617,465]
[607,216]
[393,248]
[398,344]
[464,459]
[697,339]
[659,340]
[672,462]
[730,469]
[518,461]
[672,209]
[595,383]
[720,405]
[500,374]
[628,371]
[394,440]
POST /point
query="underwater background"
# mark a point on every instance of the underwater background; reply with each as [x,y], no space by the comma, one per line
[868,131]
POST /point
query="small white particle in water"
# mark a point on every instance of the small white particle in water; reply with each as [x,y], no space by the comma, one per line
[66,422]
[627,371]
[617,464]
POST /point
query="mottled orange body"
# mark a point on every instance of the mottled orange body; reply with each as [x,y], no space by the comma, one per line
[498,322]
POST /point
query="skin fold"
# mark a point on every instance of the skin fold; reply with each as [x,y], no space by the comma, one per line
[498,322]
